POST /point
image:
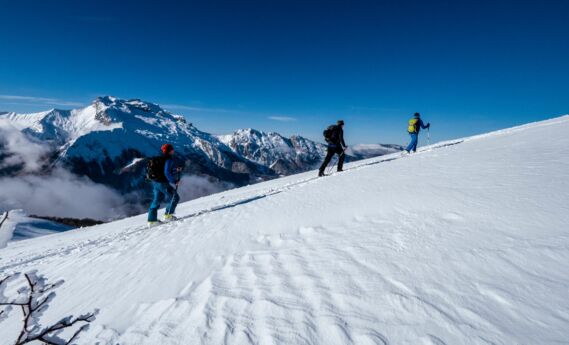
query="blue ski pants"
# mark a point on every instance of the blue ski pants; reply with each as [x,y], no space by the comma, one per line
[414,141]
[162,191]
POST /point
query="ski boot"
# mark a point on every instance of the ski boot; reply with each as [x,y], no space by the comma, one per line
[170,218]
[154,223]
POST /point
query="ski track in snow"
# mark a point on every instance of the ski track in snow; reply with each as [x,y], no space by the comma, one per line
[463,243]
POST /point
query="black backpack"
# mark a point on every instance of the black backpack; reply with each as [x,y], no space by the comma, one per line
[155,168]
[331,134]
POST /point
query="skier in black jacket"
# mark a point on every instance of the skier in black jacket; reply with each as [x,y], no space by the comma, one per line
[334,136]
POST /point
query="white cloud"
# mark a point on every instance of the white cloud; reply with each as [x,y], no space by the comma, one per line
[53,193]
[60,194]
[40,100]
[282,118]
[20,151]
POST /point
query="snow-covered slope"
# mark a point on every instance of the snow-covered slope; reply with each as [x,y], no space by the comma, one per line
[465,242]
[363,151]
[284,155]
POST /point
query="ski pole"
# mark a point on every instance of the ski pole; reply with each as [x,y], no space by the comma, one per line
[429,136]
[331,165]
[335,162]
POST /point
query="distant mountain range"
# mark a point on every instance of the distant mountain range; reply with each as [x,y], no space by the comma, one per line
[283,155]
[99,140]
[108,140]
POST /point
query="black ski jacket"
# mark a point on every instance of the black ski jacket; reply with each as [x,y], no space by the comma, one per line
[338,137]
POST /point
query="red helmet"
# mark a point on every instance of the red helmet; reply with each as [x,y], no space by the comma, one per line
[167,148]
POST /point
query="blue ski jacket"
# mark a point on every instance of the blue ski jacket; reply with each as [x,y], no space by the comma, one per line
[170,170]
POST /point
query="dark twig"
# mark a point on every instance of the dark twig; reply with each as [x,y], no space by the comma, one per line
[35,302]
[81,329]
[27,310]
[4,219]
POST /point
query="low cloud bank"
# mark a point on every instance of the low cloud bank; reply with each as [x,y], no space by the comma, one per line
[61,194]
[18,151]
[192,187]
[53,193]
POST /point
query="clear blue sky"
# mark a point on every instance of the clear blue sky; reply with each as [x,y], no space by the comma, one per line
[295,66]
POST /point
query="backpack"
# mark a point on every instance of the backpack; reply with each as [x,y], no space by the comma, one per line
[155,168]
[331,134]
[413,124]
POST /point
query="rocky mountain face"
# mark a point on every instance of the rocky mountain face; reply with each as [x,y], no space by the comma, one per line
[283,155]
[295,154]
[101,139]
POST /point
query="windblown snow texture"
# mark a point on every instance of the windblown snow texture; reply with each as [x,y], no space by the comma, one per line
[462,243]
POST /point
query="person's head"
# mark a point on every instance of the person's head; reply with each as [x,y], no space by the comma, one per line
[167,149]
[417,115]
[340,123]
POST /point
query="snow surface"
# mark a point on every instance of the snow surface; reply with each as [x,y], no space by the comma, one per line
[372,150]
[465,242]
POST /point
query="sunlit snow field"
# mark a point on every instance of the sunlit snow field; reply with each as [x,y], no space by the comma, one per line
[466,242]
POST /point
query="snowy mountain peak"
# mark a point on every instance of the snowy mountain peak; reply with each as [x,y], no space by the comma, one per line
[250,134]
[106,99]
[131,106]
[103,114]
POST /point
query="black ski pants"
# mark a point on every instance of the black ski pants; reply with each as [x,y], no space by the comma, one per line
[332,150]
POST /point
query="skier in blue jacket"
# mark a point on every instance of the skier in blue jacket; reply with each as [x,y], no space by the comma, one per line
[415,126]
[164,173]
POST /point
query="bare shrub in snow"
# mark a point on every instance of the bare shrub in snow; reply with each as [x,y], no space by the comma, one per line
[33,300]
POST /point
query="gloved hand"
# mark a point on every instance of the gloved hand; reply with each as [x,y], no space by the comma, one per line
[429,125]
